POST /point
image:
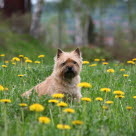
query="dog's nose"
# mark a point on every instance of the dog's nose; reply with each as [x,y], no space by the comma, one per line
[69,68]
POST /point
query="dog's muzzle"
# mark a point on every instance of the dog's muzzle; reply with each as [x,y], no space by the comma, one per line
[69,73]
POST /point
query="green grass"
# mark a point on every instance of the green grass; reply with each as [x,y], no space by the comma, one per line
[116,121]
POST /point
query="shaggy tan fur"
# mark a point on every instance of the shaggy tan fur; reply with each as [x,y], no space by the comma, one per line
[65,76]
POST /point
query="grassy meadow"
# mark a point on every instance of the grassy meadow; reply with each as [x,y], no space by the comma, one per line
[101,112]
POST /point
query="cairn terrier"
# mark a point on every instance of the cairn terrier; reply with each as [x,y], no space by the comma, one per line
[64,78]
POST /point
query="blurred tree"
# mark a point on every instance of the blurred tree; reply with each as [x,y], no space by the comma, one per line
[84,26]
[131,19]
[91,35]
[36,18]
[101,6]
[16,6]
[61,7]
[83,20]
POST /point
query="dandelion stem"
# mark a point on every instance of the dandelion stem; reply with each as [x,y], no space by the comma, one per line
[51,117]
[5,120]
[22,114]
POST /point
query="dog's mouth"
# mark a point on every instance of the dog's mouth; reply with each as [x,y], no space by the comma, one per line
[69,74]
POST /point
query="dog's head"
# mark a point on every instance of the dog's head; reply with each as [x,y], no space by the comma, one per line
[68,64]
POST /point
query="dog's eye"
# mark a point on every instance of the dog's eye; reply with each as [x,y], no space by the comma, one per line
[63,63]
[74,62]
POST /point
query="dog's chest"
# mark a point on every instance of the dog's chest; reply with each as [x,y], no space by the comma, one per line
[68,90]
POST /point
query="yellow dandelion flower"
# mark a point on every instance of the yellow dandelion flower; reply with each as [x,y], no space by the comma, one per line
[105,63]
[110,70]
[105,107]
[93,65]
[58,95]
[105,89]
[28,61]
[37,62]
[130,62]
[109,102]
[103,59]
[36,107]
[6,61]
[134,97]
[63,126]
[6,89]
[15,59]
[62,104]
[41,56]
[21,56]
[86,99]
[69,110]
[4,66]
[129,107]
[122,69]
[119,96]
[134,59]
[118,92]
[96,59]
[44,120]
[99,99]
[26,58]
[1,88]
[2,55]
[85,62]
[84,85]
[13,63]
[53,101]
[125,75]
[77,122]
[5,100]
[23,105]
[20,75]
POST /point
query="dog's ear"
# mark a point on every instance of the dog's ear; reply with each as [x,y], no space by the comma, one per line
[59,52]
[77,51]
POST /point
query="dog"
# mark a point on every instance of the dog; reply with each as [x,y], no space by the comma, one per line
[64,78]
